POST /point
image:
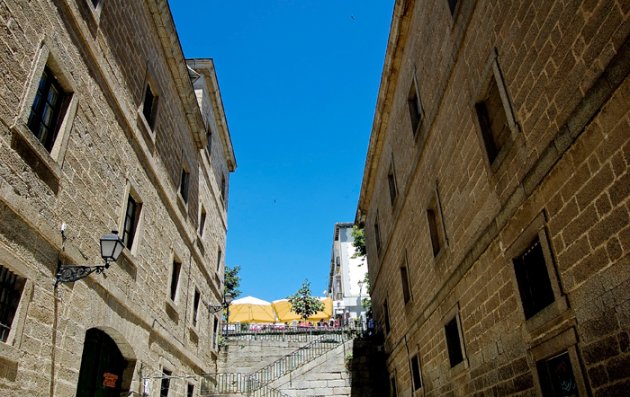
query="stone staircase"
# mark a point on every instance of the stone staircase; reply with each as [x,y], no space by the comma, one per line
[258,383]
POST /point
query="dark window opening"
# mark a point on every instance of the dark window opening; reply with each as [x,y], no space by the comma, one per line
[452,5]
[453,343]
[202,221]
[219,257]
[47,110]
[377,235]
[415,370]
[132,216]
[191,390]
[393,387]
[215,329]
[415,110]
[386,315]
[556,376]
[102,366]
[393,189]
[177,267]
[150,106]
[196,299]
[184,185]
[436,241]
[165,384]
[209,141]
[223,189]
[533,280]
[405,284]
[95,3]
[493,121]
[11,287]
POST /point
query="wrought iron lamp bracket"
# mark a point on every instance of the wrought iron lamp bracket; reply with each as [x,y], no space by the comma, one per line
[70,273]
[215,308]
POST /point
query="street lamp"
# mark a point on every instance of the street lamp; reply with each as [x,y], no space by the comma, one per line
[111,247]
[227,300]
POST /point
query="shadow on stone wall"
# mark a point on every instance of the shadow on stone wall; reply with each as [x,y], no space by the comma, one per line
[369,374]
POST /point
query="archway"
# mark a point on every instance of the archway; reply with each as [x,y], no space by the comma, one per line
[103,367]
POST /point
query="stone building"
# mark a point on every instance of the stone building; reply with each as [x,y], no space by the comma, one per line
[105,126]
[346,279]
[495,198]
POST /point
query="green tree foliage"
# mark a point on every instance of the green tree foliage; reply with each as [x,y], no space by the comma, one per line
[303,303]
[358,242]
[367,301]
[232,281]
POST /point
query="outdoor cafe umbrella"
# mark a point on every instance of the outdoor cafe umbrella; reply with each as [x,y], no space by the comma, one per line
[251,310]
[284,312]
[325,314]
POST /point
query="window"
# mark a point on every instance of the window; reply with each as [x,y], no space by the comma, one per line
[132,217]
[48,109]
[386,318]
[11,287]
[209,141]
[453,342]
[166,382]
[391,181]
[177,267]
[392,387]
[404,278]
[223,189]
[202,221]
[415,107]
[556,376]
[533,280]
[219,257]
[415,372]
[452,5]
[496,121]
[436,230]
[95,3]
[196,299]
[377,235]
[191,390]
[215,329]
[149,108]
[184,184]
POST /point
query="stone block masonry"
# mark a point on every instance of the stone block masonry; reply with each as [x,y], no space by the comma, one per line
[554,187]
[126,127]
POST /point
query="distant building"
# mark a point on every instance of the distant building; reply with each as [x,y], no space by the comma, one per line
[105,126]
[496,198]
[346,279]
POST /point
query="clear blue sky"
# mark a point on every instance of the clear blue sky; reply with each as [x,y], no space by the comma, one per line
[299,80]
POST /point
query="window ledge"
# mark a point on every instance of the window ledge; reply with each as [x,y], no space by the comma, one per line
[147,133]
[9,359]
[194,337]
[183,205]
[171,309]
[35,155]
[535,325]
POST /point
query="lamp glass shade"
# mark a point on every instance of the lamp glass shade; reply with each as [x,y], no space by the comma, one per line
[228,298]
[111,246]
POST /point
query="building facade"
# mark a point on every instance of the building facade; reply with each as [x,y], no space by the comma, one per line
[346,280]
[495,198]
[105,126]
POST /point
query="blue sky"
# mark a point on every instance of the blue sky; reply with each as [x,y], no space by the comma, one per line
[299,80]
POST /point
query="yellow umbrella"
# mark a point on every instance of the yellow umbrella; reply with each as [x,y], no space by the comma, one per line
[284,312]
[251,310]
[325,314]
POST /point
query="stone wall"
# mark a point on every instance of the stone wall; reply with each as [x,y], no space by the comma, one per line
[561,176]
[104,56]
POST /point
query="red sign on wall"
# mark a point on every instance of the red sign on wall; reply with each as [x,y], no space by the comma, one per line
[109,380]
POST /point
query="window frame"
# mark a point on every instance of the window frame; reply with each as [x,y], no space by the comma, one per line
[166,379]
[13,324]
[492,71]
[454,316]
[406,284]
[184,185]
[392,183]
[377,235]
[202,220]
[537,228]
[36,155]
[195,307]
[436,224]
[414,107]
[175,275]
[415,359]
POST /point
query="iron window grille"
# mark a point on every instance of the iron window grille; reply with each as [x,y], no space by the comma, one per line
[533,280]
[11,287]
[47,109]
